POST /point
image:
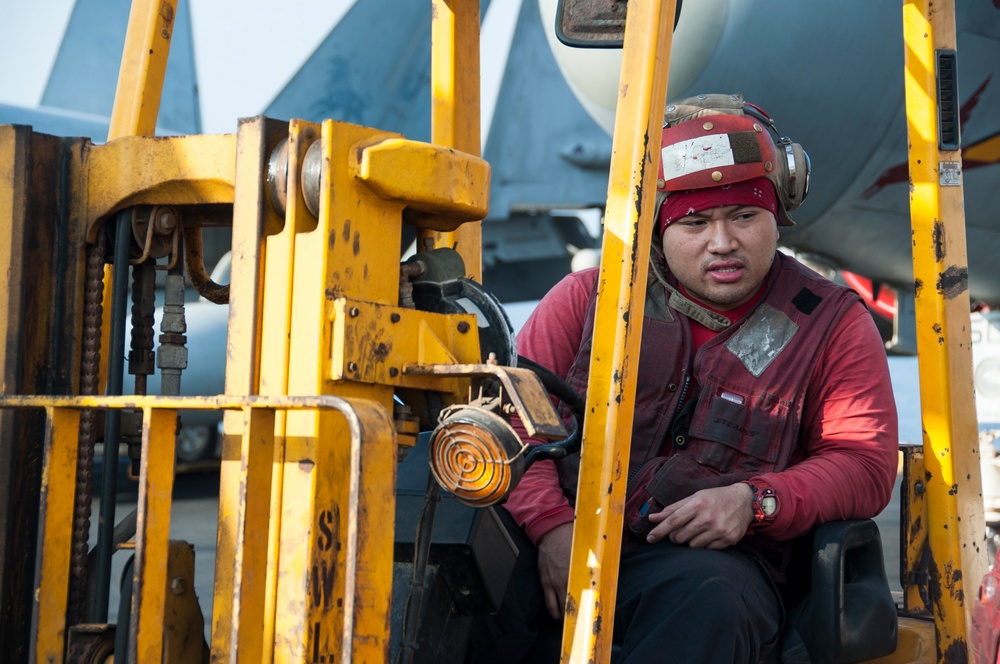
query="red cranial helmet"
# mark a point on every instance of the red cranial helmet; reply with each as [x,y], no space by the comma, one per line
[719,140]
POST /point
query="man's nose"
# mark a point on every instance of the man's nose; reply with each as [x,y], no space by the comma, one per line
[721,239]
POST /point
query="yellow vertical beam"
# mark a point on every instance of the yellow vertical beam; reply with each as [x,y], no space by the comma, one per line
[951,447]
[55,535]
[275,349]
[455,110]
[607,430]
[252,216]
[14,150]
[236,633]
[156,484]
[137,99]
[14,153]
[346,590]
[144,63]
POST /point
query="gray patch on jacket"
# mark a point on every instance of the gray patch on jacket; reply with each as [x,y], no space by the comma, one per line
[762,338]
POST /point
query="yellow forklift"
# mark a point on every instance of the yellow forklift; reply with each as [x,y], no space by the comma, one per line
[349,370]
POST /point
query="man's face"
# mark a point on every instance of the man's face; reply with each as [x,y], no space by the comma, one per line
[722,255]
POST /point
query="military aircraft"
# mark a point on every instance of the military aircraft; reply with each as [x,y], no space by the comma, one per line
[830,74]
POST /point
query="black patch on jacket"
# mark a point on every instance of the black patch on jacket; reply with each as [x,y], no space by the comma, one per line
[806,301]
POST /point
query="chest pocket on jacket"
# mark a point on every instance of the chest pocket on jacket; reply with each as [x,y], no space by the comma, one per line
[734,430]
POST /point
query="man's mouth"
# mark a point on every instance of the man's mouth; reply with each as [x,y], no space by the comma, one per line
[726,272]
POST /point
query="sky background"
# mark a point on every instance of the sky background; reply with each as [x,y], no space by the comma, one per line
[242,62]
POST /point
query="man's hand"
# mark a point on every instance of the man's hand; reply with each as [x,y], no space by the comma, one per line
[710,519]
[553,566]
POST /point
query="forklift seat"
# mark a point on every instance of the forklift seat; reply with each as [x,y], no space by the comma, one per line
[848,615]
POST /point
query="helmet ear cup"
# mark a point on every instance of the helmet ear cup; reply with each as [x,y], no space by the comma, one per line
[797,173]
[791,173]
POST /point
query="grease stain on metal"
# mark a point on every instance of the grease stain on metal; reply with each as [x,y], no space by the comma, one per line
[953,282]
[597,623]
[937,236]
[346,234]
[934,582]
[571,607]
[915,529]
[956,652]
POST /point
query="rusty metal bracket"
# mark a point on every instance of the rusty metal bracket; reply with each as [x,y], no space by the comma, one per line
[530,401]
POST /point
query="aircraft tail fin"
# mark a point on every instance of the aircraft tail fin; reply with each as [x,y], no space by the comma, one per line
[545,150]
[85,73]
[389,88]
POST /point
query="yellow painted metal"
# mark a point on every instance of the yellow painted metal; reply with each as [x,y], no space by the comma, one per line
[278,269]
[333,487]
[55,535]
[13,192]
[372,343]
[455,112]
[156,484]
[362,544]
[144,63]
[275,330]
[430,178]
[913,532]
[184,626]
[252,215]
[178,170]
[242,555]
[915,645]
[137,103]
[218,402]
[607,429]
[955,525]
[13,213]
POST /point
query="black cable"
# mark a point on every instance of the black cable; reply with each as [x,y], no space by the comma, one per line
[408,643]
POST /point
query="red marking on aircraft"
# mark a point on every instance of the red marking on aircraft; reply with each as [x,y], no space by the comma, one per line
[880,298]
[981,153]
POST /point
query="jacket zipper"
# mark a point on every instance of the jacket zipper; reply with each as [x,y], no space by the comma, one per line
[680,404]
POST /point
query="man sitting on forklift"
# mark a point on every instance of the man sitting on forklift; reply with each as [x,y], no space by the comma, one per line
[763,408]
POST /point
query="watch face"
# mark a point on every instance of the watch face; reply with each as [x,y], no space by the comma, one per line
[768,505]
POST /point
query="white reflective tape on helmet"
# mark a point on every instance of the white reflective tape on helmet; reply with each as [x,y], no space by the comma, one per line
[695,155]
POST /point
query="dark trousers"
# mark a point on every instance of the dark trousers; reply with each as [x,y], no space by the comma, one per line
[675,604]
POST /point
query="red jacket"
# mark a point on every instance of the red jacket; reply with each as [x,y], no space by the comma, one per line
[829,440]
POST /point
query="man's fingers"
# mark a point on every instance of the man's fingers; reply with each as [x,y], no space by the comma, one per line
[669,520]
[552,603]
